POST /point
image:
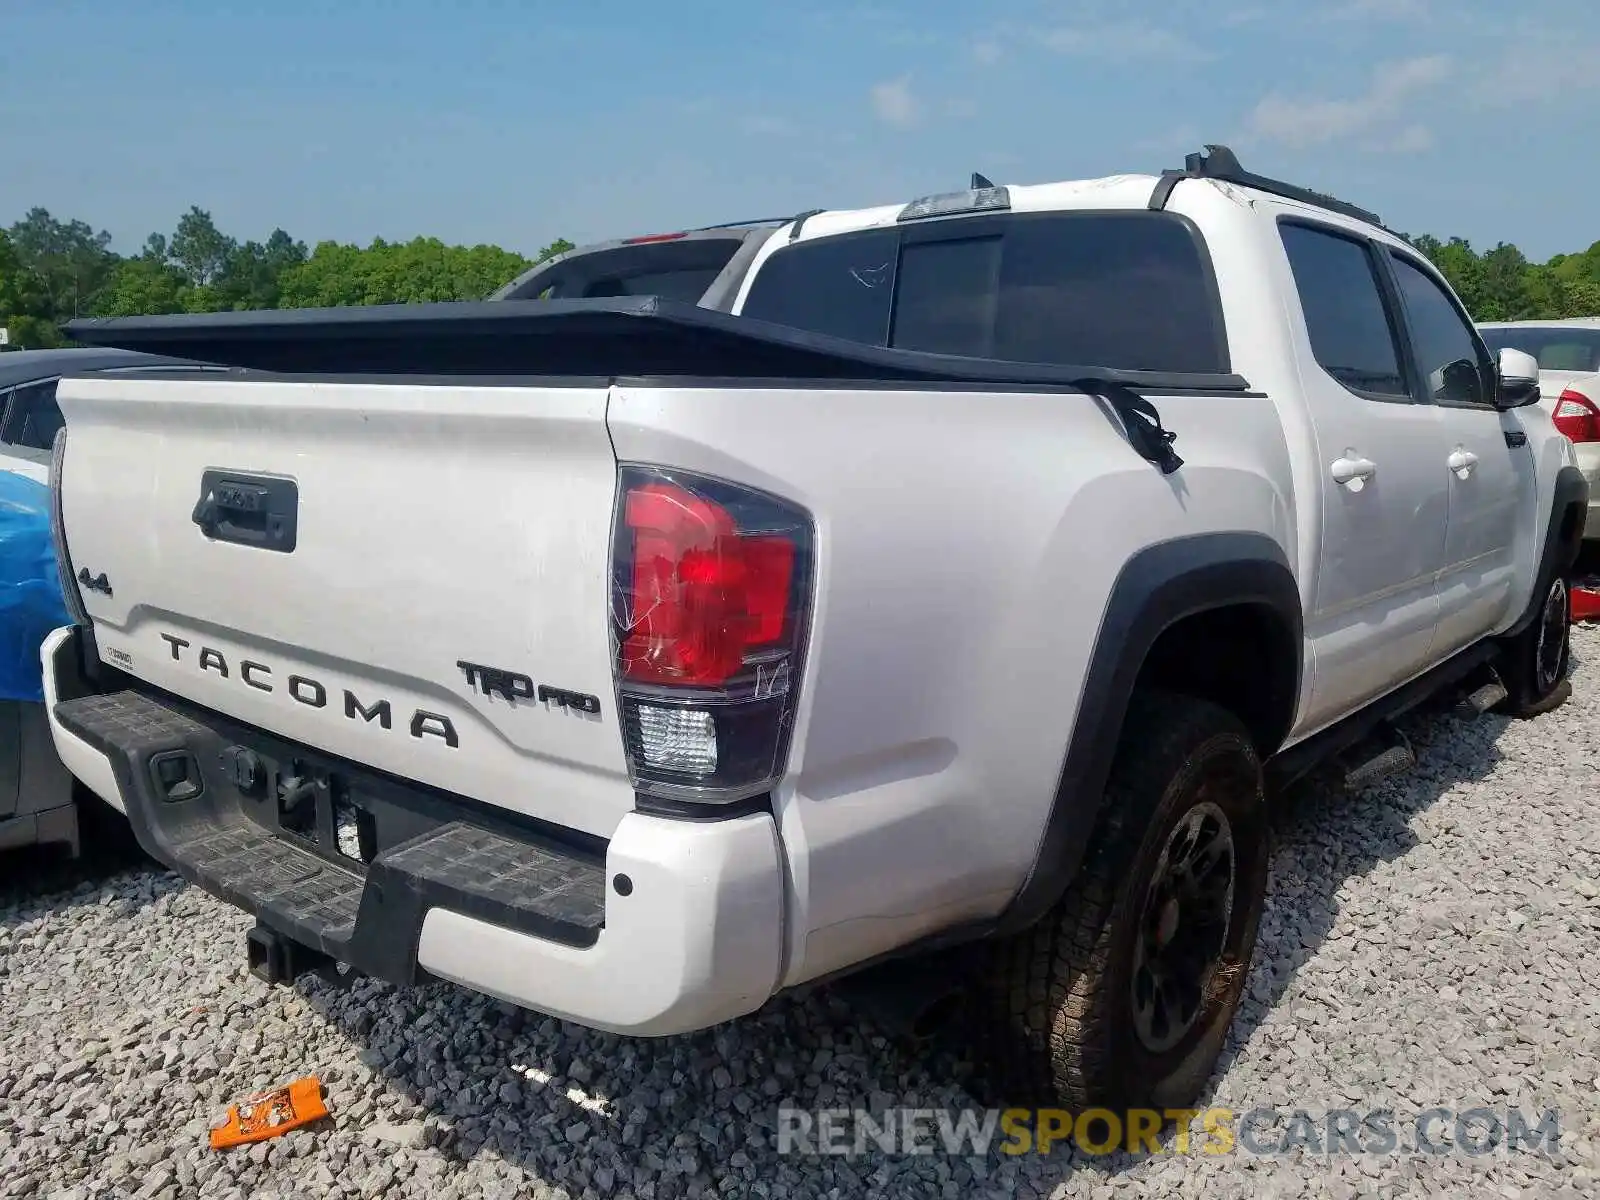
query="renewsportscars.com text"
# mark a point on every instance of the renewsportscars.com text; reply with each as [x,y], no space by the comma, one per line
[1262,1132]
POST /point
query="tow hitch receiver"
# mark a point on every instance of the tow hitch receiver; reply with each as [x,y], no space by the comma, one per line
[278,959]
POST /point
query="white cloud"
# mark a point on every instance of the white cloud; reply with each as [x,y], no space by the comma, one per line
[762,125]
[1124,42]
[1174,141]
[894,103]
[1306,122]
[1537,75]
[1380,10]
[1413,139]
[987,52]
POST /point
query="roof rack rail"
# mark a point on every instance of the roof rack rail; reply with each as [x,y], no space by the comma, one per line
[800,220]
[740,224]
[1222,164]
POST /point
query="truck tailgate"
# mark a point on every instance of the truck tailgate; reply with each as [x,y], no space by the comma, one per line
[364,568]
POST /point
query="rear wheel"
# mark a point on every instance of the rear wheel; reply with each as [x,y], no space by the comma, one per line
[1123,995]
[1533,665]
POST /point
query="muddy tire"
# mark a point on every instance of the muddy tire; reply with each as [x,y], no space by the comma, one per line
[1122,996]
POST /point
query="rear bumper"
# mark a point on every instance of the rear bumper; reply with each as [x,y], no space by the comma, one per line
[670,927]
[1588,454]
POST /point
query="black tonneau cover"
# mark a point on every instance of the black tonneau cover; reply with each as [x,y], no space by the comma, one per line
[637,337]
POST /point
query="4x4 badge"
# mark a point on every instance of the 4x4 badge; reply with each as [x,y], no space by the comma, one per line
[95,583]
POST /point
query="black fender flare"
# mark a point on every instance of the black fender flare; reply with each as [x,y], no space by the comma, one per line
[1561,547]
[1158,587]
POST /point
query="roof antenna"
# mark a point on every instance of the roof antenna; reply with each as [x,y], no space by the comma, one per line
[981,181]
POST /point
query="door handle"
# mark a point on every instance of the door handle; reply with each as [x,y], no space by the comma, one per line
[258,511]
[1462,462]
[1353,473]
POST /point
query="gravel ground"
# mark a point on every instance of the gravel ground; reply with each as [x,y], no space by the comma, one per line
[1424,946]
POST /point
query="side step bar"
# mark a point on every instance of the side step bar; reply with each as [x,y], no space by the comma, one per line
[1395,758]
[1287,767]
[1484,698]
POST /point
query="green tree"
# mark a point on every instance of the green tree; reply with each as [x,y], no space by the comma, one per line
[331,275]
[1503,274]
[414,272]
[199,249]
[70,260]
[251,277]
[559,246]
[24,306]
[143,286]
[199,268]
[1458,262]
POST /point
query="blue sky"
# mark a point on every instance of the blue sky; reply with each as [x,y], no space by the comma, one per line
[516,123]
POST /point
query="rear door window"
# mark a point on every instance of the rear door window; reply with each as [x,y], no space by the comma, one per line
[1124,290]
[1352,337]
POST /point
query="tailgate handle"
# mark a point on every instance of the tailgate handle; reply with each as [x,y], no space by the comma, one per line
[259,511]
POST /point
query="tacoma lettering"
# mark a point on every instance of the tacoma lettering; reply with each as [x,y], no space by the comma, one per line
[313,693]
[379,712]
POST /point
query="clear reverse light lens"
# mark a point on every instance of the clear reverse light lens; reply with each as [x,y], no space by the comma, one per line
[678,739]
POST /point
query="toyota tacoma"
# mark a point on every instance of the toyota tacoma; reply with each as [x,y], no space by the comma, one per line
[969,586]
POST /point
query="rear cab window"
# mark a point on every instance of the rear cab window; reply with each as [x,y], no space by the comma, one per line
[1125,290]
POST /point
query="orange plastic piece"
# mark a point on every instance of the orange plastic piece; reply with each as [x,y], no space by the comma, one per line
[268,1114]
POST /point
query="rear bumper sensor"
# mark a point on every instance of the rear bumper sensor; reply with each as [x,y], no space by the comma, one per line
[673,926]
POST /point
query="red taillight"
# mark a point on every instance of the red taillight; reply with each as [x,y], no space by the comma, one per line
[711,601]
[653,237]
[704,594]
[1577,417]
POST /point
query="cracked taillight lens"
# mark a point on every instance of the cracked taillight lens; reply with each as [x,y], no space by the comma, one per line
[711,602]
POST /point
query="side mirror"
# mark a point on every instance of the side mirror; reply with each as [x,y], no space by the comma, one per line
[1517,384]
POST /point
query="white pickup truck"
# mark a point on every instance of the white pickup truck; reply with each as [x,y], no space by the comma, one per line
[972,584]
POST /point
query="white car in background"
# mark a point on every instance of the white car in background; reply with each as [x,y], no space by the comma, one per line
[1569,381]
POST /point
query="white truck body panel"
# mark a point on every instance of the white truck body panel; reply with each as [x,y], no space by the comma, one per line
[402,492]
[967,539]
